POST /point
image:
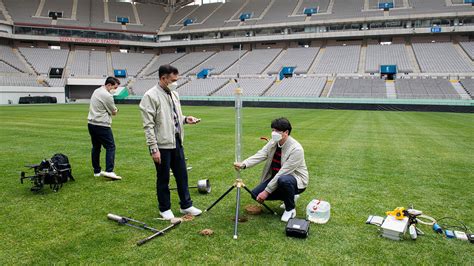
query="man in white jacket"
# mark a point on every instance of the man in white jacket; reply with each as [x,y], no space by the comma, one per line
[163,123]
[285,174]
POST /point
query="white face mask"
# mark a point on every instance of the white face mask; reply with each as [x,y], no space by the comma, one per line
[173,86]
[276,136]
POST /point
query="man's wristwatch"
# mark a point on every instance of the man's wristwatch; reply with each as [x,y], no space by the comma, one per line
[153,151]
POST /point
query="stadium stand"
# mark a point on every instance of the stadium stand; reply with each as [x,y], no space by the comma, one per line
[20,81]
[321,4]
[440,58]
[394,54]
[119,9]
[432,6]
[256,8]
[301,58]
[425,89]
[349,9]
[6,68]
[468,48]
[141,85]
[297,87]
[468,84]
[352,65]
[24,10]
[10,58]
[201,13]
[201,87]
[219,18]
[219,62]
[55,82]
[182,81]
[151,17]
[339,59]
[374,4]
[80,65]
[162,59]
[98,64]
[98,19]
[250,87]
[254,62]
[64,6]
[89,63]
[132,62]
[175,22]
[191,60]
[36,57]
[358,88]
[280,11]
[82,15]
[91,13]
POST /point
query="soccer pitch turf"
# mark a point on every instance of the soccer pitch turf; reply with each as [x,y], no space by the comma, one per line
[363,162]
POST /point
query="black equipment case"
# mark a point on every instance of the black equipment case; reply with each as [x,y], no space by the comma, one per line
[297,228]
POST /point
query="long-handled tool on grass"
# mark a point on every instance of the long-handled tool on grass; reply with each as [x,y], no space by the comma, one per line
[159,233]
[141,225]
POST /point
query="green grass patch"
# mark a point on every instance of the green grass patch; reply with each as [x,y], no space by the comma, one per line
[362,162]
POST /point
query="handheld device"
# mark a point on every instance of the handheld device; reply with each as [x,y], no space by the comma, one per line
[449,233]
[460,235]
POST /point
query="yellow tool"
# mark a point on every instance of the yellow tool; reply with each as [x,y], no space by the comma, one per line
[398,213]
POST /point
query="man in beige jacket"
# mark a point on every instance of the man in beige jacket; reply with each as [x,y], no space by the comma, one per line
[163,123]
[101,110]
[285,175]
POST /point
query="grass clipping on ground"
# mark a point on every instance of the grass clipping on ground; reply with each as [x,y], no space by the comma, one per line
[253,209]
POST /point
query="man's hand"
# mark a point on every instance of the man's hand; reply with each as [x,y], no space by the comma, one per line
[262,196]
[156,157]
[239,166]
[192,120]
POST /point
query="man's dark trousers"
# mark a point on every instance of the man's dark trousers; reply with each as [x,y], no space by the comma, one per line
[172,159]
[102,136]
[286,190]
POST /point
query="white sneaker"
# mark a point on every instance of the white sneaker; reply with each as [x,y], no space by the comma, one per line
[167,215]
[282,206]
[191,210]
[287,215]
[111,175]
[96,174]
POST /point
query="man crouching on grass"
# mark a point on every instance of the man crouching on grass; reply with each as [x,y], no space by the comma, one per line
[285,175]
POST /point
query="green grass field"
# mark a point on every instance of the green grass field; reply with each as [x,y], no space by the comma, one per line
[362,162]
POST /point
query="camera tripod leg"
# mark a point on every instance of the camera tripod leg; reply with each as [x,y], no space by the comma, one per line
[263,203]
[219,199]
[237,210]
